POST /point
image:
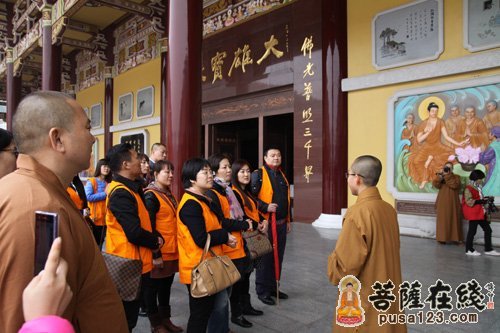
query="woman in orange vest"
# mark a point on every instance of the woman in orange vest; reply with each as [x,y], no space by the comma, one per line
[241,172]
[162,208]
[474,211]
[196,219]
[76,192]
[231,213]
[95,190]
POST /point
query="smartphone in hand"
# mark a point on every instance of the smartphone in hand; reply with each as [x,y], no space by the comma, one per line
[46,230]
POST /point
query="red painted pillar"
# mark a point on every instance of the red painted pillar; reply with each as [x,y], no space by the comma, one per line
[184,84]
[51,54]
[13,88]
[334,49]
[108,107]
[163,87]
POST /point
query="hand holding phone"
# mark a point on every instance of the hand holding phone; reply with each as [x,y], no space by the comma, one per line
[48,293]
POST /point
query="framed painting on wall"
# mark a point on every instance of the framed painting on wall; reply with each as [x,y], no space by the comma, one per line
[407,34]
[461,134]
[96,115]
[481,24]
[125,106]
[145,102]
[94,157]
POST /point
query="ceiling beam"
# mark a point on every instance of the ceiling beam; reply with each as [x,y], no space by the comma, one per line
[128,6]
[82,27]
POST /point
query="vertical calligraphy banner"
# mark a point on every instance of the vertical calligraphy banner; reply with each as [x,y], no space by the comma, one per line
[307,64]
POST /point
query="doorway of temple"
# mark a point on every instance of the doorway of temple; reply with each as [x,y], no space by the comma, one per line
[278,132]
[239,139]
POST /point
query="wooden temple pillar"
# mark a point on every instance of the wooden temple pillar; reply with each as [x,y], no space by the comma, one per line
[184,84]
[108,107]
[334,54]
[51,54]
[13,87]
[163,91]
[13,79]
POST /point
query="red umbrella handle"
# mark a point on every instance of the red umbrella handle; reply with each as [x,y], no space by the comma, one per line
[275,252]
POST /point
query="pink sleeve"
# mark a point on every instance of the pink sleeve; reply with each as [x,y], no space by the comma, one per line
[47,324]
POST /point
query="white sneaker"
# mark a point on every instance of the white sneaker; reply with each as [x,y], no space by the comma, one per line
[492,253]
[474,253]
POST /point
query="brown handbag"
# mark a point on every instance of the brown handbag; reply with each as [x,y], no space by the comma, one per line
[126,275]
[257,243]
[213,274]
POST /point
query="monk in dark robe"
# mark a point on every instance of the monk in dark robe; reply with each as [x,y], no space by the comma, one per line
[448,207]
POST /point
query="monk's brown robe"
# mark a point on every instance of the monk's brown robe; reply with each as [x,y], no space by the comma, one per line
[368,248]
[448,209]
[95,306]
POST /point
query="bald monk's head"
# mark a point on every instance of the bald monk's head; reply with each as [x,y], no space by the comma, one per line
[53,129]
[368,168]
[36,115]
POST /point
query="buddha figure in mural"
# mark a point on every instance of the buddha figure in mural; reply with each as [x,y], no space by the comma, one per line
[430,154]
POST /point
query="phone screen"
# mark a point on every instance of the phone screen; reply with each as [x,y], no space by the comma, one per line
[46,230]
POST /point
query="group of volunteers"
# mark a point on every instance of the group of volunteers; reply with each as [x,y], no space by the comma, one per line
[132,213]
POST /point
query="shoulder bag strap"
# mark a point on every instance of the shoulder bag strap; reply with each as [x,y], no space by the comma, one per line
[206,249]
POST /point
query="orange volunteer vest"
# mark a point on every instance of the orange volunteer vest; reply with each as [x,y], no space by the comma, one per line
[239,251]
[75,197]
[189,253]
[98,208]
[266,192]
[116,240]
[252,212]
[166,225]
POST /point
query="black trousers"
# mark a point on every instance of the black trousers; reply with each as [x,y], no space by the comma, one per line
[200,310]
[485,225]
[132,308]
[157,292]
[99,234]
[265,280]
[240,289]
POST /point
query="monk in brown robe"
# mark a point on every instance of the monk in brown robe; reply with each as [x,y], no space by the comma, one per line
[53,135]
[368,244]
[475,129]
[455,125]
[431,154]
[492,117]
[448,207]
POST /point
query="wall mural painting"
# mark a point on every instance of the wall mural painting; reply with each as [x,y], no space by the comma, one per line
[462,133]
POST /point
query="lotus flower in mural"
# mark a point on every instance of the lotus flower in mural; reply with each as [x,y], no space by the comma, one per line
[468,157]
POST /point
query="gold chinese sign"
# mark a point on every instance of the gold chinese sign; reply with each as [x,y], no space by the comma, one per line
[242,58]
[308,74]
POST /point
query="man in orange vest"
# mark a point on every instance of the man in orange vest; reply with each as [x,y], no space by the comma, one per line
[270,186]
[129,233]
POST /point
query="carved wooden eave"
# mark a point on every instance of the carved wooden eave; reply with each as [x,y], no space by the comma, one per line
[27,43]
[27,17]
[58,30]
[18,65]
[3,67]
